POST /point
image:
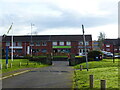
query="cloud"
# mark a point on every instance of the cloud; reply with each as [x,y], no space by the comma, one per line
[56,15]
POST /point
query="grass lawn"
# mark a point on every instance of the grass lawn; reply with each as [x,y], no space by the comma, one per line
[104,69]
[16,66]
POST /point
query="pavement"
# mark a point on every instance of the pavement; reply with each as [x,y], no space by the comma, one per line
[59,75]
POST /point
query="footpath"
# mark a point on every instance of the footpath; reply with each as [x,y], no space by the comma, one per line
[59,75]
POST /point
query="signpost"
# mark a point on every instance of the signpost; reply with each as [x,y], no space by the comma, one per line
[85,47]
[6,57]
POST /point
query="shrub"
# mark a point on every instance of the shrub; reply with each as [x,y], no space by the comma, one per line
[93,54]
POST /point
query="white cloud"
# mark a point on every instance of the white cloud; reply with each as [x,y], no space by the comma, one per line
[110,30]
[60,17]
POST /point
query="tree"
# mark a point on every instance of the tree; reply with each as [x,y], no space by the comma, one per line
[101,38]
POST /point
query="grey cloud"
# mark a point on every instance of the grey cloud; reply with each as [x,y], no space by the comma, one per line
[68,19]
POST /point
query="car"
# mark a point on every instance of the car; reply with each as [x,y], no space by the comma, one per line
[117,56]
[109,54]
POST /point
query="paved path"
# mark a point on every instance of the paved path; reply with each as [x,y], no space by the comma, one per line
[59,75]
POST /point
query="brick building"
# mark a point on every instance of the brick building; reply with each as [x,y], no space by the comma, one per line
[42,44]
[95,45]
[111,44]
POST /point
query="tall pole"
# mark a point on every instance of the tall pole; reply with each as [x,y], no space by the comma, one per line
[12,46]
[85,47]
[31,37]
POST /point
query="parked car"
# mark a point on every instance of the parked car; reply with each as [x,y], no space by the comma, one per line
[107,54]
[117,56]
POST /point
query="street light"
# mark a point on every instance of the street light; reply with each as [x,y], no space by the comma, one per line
[85,47]
[31,37]
[11,41]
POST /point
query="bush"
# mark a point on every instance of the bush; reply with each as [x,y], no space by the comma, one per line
[93,54]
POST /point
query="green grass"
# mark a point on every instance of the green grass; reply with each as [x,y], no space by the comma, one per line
[15,65]
[104,69]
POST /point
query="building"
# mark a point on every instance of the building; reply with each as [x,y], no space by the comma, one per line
[111,45]
[95,45]
[42,44]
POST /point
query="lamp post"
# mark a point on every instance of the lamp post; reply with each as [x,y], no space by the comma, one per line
[12,46]
[11,41]
[31,37]
[85,47]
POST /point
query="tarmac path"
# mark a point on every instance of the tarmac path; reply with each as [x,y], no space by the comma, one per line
[59,75]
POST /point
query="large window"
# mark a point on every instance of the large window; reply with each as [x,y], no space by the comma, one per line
[18,50]
[44,50]
[35,50]
[87,43]
[7,43]
[68,43]
[107,45]
[14,43]
[44,44]
[54,43]
[31,44]
[62,50]
[37,43]
[108,49]
[80,43]
[19,44]
[95,42]
[61,43]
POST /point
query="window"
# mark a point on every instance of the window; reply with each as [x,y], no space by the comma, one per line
[54,43]
[14,43]
[95,46]
[36,50]
[44,50]
[7,43]
[80,43]
[87,43]
[18,50]
[31,44]
[95,42]
[19,44]
[61,43]
[107,45]
[108,49]
[44,44]
[68,43]
[37,44]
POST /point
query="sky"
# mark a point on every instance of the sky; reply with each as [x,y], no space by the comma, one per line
[59,17]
